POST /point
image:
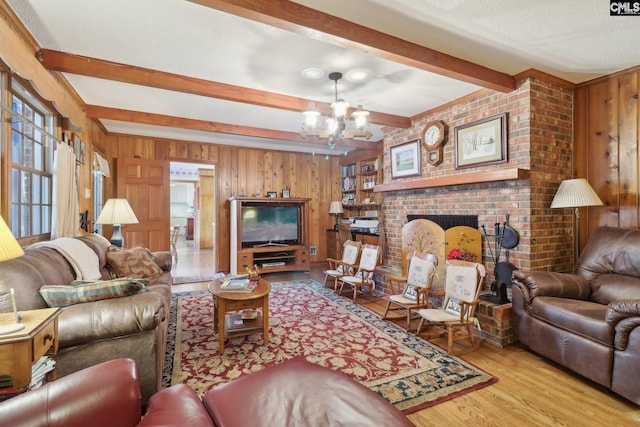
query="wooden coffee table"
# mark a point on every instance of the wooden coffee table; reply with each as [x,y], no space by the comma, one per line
[227,321]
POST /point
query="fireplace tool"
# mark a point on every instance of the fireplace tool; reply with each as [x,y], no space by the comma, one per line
[504,237]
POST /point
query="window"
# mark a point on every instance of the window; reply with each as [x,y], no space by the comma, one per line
[31,164]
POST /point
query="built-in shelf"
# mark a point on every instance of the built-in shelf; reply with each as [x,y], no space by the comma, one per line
[467,178]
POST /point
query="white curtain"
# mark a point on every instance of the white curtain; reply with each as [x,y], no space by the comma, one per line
[65,218]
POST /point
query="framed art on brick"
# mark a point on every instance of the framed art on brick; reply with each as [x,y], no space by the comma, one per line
[482,142]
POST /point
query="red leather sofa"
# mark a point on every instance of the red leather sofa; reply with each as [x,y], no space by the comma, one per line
[104,395]
[294,393]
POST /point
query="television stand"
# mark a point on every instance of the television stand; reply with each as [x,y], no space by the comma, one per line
[272,256]
[264,245]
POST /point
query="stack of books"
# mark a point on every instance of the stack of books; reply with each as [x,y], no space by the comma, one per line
[39,371]
[7,389]
[239,285]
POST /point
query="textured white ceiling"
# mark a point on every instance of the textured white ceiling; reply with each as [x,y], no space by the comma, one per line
[572,39]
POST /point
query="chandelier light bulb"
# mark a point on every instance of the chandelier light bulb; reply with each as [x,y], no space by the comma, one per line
[360,117]
[340,108]
[311,119]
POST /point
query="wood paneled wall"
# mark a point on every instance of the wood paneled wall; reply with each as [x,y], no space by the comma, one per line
[245,172]
[607,125]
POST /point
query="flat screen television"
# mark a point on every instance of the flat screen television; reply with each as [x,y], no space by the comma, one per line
[269,225]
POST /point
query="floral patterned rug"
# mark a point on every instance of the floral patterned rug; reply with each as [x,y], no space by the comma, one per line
[311,321]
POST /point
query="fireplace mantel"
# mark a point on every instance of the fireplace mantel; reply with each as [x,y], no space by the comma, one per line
[467,178]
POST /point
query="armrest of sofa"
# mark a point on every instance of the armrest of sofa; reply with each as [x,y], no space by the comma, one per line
[624,316]
[164,260]
[544,283]
[177,405]
[103,395]
[110,318]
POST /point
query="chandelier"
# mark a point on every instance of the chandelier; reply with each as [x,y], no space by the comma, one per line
[336,122]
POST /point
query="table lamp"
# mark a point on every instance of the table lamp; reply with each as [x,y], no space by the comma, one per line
[575,193]
[117,212]
[9,249]
[336,209]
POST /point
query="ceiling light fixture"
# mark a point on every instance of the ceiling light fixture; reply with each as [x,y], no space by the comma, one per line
[336,123]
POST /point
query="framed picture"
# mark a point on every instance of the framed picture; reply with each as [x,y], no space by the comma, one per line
[405,159]
[272,194]
[409,292]
[482,142]
[285,193]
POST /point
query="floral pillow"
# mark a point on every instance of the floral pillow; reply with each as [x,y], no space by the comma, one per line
[134,262]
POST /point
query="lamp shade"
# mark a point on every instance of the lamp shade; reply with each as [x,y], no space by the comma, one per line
[574,193]
[335,208]
[117,211]
[9,246]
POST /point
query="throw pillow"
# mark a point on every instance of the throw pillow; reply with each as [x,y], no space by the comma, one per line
[134,262]
[87,291]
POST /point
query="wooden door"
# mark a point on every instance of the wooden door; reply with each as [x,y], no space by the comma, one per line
[145,184]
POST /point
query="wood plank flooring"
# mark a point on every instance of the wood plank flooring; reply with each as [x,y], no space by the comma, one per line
[531,390]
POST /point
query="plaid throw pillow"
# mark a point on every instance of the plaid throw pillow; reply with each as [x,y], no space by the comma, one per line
[86,291]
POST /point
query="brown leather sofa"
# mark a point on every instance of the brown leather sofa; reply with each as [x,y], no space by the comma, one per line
[589,321]
[133,326]
[104,395]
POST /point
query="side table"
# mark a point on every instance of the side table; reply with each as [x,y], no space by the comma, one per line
[229,324]
[21,349]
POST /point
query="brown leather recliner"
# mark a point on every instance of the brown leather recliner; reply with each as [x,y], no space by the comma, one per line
[589,321]
[104,395]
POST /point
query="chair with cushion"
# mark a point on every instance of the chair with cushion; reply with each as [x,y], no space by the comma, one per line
[345,266]
[463,281]
[344,233]
[363,277]
[411,292]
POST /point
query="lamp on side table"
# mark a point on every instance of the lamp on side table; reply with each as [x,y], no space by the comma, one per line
[9,249]
[336,209]
[117,212]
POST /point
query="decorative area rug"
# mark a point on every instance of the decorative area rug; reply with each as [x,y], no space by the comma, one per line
[309,320]
[179,280]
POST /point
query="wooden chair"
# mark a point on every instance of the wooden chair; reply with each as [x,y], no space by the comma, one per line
[363,277]
[345,266]
[173,240]
[411,292]
[463,281]
[344,232]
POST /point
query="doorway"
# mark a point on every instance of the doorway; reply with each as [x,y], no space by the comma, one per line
[193,209]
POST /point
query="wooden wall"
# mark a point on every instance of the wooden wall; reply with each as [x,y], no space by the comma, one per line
[607,126]
[246,171]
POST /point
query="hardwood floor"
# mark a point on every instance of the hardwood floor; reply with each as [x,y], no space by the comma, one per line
[531,391]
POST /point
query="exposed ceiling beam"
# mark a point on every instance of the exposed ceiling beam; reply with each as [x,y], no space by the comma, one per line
[312,23]
[92,67]
[98,112]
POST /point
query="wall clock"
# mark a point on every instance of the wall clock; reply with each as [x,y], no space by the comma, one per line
[433,139]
